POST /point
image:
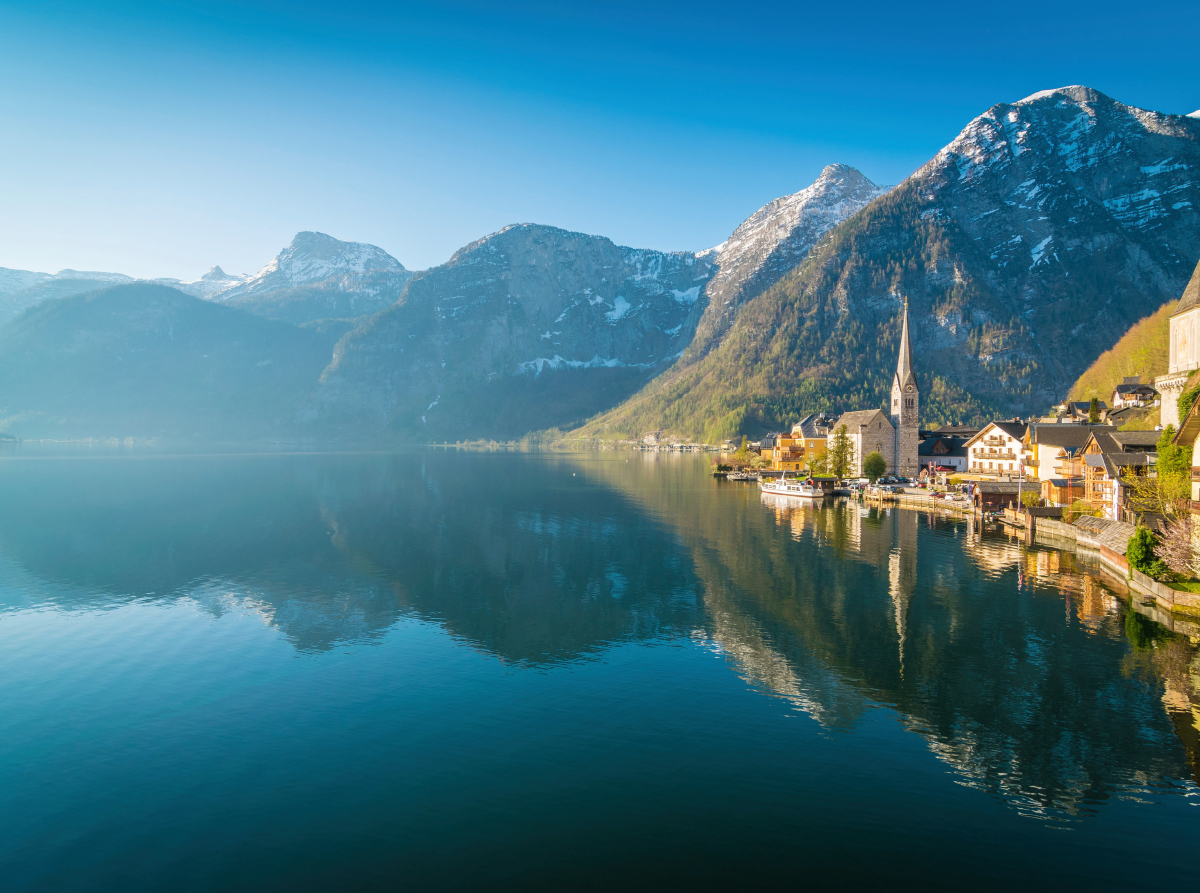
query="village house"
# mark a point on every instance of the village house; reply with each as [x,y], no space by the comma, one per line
[794,450]
[1108,455]
[1045,447]
[942,453]
[1079,411]
[894,436]
[1062,491]
[1131,392]
[996,450]
[1184,351]
[811,433]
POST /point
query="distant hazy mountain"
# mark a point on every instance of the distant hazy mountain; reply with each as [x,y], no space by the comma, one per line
[774,240]
[320,277]
[211,283]
[1026,247]
[529,327]
[23,288]
[144,360]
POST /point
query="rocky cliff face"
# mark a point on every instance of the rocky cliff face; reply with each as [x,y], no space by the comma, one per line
[1026,247]
[774,240]
[527,328]
[1081,215]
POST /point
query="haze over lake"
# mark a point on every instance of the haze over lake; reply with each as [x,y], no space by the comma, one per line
[560,671]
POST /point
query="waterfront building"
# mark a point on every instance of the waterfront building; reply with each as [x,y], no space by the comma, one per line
[942,453]
[1184,351]
[996,450]
[1045,446]
[896,436]
[1108,455]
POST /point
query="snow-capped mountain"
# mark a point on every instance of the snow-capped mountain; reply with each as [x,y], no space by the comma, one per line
[530,323]
[24,288]
[1026,247]
[312,258]
[319,277]
[211,283]
[775,239]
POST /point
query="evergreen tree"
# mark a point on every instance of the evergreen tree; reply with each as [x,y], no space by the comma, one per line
[841,453]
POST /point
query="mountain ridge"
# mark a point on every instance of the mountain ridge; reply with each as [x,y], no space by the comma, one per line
[1027,246]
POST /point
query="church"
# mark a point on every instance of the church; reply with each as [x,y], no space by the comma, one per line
[894,435]
[1184,351]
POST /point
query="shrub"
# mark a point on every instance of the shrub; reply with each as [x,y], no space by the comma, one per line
[1140,553]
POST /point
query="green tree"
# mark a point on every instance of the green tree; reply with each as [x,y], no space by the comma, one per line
[1031,499]
[819,464]
[1166,487]
[874,466]
[1094,411]
[743,456]
[841,453]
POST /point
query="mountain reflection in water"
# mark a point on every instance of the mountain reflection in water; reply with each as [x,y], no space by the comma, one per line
[1024,670]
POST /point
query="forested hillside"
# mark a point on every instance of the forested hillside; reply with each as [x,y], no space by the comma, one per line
[1144,350]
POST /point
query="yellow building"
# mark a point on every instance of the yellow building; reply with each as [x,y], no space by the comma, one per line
[795,450]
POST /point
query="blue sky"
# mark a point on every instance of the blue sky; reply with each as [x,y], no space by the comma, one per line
[160,139]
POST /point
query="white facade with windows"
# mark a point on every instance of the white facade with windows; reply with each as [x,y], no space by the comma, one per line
[996,451]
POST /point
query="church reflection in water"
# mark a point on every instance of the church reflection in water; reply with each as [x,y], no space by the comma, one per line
[1025,669]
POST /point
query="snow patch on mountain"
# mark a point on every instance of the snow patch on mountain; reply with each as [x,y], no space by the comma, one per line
[311,258]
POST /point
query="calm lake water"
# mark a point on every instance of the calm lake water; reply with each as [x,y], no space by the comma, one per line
[448,671]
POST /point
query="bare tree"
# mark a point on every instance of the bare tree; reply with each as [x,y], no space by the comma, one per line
[1176,547]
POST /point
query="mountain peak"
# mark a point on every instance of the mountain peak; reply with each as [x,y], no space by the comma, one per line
[316,257]
[1075,92]
[216,274]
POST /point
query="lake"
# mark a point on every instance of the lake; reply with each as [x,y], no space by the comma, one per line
[456,670]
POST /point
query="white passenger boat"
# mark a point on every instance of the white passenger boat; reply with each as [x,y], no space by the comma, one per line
[793,487]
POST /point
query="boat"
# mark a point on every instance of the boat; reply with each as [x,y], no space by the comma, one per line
[804,489]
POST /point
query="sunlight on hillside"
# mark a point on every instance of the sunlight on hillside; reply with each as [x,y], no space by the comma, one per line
[1142,351]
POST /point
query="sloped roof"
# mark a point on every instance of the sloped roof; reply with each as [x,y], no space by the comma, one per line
[1136,438]
[1189,429]
[1003,487]
[1134,389]
[860,417]
[1191,293]
[809,425]
[955,447]
[1063,435]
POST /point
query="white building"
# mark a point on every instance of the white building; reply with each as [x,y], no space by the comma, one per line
[1185,351]
[996,450]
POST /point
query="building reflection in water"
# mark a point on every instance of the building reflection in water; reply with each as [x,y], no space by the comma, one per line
[928,603]
[1008,660]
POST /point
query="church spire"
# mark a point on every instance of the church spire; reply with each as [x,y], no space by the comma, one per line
[904,366]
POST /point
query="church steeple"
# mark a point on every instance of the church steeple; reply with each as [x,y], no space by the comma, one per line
[906,406]
[904,366]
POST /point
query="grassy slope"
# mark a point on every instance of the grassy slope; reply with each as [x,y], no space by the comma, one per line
[1144,350]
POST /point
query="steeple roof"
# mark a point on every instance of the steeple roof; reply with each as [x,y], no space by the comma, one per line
[1191,294]
[904,366]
